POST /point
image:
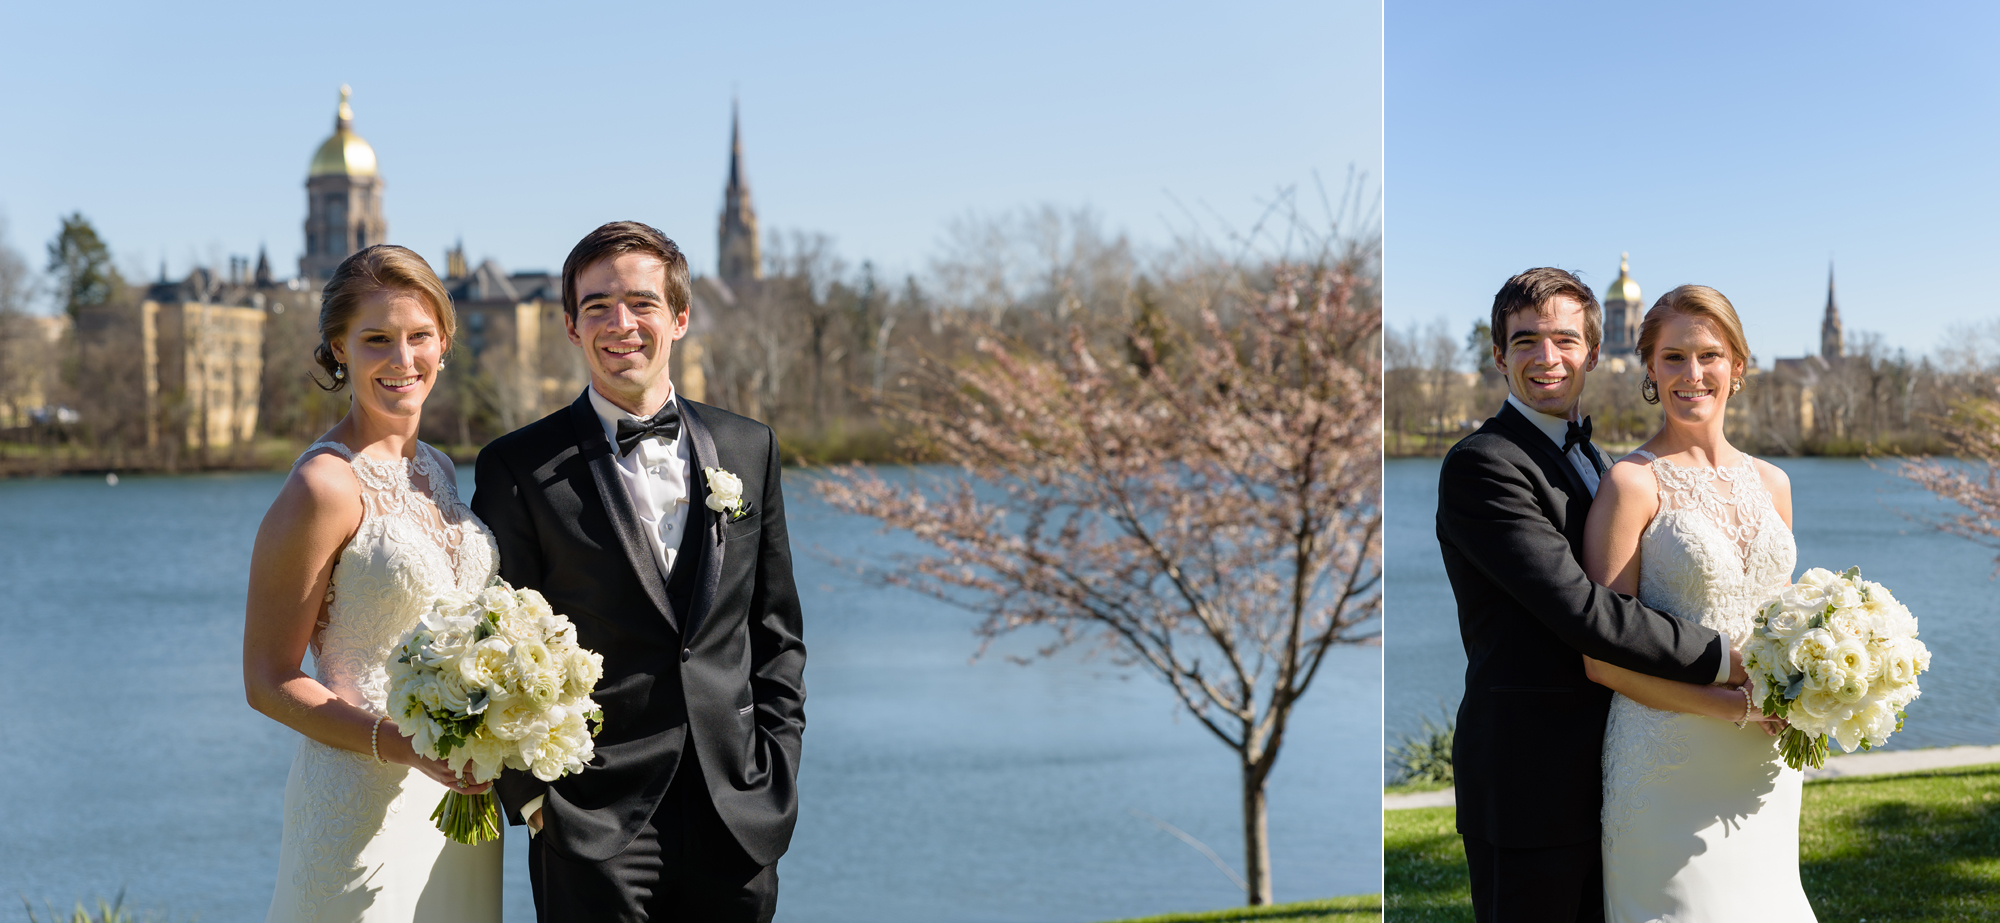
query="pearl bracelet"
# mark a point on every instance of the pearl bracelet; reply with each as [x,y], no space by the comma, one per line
[1748,704]
[375,734]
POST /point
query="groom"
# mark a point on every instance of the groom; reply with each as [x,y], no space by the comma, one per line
[656,524]
[1512,500]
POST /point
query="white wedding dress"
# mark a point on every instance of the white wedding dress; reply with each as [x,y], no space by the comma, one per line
[1701,818]
[359,844]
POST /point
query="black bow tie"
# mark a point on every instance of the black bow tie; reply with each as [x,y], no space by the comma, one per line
[664,426]
[1579,434]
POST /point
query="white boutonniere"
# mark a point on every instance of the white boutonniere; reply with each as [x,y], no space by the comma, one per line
[725,493]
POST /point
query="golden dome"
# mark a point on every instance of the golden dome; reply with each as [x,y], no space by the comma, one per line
[1623,288]
[344,154]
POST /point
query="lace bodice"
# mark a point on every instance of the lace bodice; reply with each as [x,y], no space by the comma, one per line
[1708,556]
[417,542]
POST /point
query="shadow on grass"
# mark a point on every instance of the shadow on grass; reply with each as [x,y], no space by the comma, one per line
[1423,867]
[1922,847]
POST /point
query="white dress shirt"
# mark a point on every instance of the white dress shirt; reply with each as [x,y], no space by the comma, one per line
[655,478]
[1557,429]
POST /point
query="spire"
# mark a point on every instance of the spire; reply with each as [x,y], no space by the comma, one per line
[263,272]
[1831,344]
[738,259]
[735,148]
[343,118]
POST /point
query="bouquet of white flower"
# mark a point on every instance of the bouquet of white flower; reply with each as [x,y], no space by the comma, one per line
[495,681]
[1835,656]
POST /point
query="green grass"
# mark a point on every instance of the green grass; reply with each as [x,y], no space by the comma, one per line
[1357,908]
[1916,848]
[1423,866]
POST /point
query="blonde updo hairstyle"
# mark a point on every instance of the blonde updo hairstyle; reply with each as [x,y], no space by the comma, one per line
[380,268]
[1695,301]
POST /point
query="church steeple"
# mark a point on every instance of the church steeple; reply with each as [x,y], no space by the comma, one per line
[740,258]
[1831,344]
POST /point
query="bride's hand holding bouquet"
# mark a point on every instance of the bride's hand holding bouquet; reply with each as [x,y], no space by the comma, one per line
[496,681]
[1836,657]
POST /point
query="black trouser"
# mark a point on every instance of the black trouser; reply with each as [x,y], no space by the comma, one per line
[684,866]
[1557,884]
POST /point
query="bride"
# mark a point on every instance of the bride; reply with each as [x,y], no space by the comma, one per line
[1701,817]
[365,534]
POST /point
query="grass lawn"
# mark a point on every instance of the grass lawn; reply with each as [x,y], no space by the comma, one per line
[1358,908]
[1912,848]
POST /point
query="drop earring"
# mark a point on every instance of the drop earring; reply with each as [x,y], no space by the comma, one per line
[1735,385]
[340,371]
[1650,391]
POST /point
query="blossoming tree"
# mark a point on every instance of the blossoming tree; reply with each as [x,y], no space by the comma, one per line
[1203,501]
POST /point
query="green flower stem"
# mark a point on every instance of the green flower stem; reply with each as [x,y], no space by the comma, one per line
[468,819]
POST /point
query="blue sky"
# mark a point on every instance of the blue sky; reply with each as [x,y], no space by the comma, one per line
[184,133]
[1729,144]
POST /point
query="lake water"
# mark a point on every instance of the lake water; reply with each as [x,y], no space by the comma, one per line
[932,788]
[1845,512]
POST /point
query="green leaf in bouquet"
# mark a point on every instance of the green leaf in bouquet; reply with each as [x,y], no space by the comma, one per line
[1796,686]
[1852,573]
[477,700]
[596,719]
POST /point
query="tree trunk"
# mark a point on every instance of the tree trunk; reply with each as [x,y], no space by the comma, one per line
[1256,838]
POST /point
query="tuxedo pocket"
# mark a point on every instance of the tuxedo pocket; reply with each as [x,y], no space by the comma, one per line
[740,528]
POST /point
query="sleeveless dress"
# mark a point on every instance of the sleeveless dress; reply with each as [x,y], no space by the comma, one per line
[1701,818]
[359,844]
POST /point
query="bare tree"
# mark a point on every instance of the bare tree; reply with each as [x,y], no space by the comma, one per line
[1209,513]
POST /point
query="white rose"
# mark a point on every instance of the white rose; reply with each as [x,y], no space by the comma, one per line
[725,490]
[1786,622]
[582,670]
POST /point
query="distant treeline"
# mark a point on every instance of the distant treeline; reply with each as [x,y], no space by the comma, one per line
[1440,385]
[816,348]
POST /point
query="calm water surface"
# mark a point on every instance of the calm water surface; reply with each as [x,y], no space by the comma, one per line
[1845,513]
[932,788]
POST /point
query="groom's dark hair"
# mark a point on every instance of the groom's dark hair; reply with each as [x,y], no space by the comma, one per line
[610,240]
[1533,290]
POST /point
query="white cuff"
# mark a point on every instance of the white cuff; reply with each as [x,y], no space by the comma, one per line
[1722,671]
[528,810]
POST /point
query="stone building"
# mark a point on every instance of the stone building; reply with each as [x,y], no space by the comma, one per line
[179,369]
[343,199]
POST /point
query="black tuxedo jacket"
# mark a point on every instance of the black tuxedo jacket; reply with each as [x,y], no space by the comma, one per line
[1527,754]
[720,675]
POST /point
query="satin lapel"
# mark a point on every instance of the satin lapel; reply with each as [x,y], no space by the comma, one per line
[711,521]
[1538,442]
[603,463]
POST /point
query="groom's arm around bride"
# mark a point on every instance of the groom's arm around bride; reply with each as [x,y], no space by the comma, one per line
[657,525]
[1513,498]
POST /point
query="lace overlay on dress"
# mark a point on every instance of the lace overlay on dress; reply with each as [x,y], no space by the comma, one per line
[357,833]
[1709,558]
